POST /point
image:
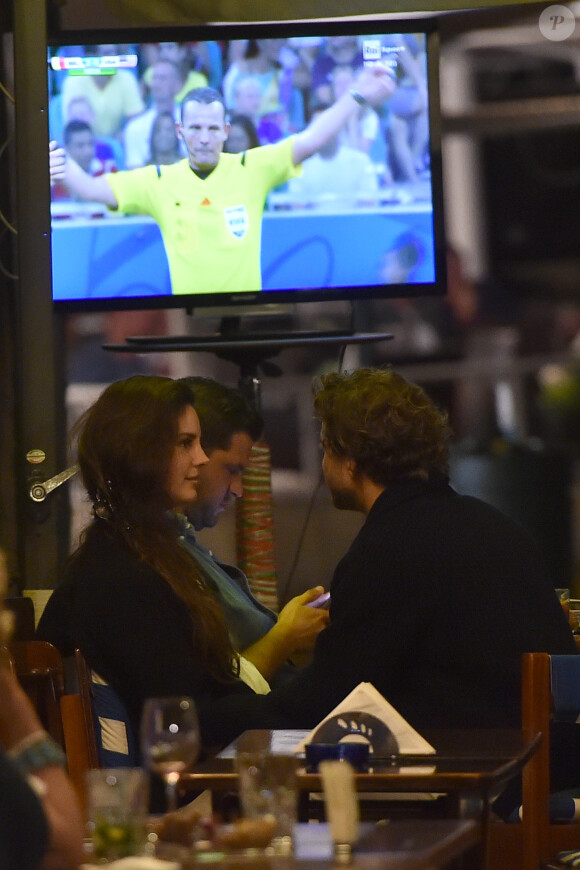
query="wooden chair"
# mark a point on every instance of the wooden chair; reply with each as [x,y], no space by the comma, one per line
[504,846]
[97,731]
[537,840]
[79,728]
[108,736]
[88,721]
[541,701]
[39,668]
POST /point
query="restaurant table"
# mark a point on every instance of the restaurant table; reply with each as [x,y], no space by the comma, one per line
[394,845]
[469,769]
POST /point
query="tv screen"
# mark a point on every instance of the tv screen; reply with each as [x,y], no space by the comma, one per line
[360,217]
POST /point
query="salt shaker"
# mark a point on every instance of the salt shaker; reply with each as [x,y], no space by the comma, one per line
[342,810]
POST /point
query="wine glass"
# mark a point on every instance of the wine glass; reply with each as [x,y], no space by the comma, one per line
[169,740]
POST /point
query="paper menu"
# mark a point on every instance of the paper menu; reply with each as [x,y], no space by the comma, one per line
[367,699]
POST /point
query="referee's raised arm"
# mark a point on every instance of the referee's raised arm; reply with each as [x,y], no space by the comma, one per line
[372,86]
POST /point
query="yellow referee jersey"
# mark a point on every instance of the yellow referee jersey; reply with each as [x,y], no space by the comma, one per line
[211,227]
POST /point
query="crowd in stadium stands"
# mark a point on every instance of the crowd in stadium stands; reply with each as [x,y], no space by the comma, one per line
[125,119]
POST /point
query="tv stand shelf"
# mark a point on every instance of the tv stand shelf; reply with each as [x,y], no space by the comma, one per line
[269,343]
[247,350]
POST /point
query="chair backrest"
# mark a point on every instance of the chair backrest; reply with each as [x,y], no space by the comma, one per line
[39,668]
[550,689]
[115,742]
[79,741]
[37,655]
[96,726]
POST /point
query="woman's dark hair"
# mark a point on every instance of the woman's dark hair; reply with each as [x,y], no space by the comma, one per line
[249,128]
[125,444]
[153,154]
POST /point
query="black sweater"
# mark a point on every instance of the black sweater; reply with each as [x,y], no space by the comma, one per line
[434,603]
[137,635]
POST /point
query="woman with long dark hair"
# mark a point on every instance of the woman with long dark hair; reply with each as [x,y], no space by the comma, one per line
[133,600]
[164,143]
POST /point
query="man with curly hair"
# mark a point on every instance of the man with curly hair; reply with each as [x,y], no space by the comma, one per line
[439,594]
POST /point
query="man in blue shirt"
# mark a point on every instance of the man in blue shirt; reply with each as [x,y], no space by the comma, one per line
[230,426]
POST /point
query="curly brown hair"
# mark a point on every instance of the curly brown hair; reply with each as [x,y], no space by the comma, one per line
[125,442]
[389,426]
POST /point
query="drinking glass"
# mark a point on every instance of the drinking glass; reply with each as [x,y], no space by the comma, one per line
[169,740]
[564,599]
[574,615]
[116,812]
[267,790]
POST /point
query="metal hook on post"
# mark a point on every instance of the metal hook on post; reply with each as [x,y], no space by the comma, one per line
[40,489]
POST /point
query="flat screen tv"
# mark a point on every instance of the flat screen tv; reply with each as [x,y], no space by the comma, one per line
[363,217]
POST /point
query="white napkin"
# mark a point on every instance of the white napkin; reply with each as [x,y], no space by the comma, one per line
[367,699]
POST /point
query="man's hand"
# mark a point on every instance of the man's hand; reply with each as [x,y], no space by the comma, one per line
[301,624]
[375,83]
[57,163]
[296,630]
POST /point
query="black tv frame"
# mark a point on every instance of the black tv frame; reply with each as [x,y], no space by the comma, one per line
[234,303]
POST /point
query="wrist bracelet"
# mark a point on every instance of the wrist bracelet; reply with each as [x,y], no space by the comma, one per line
[27,741]
[43,752]
[358,98]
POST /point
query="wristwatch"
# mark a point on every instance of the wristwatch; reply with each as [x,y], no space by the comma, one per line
[358,98]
